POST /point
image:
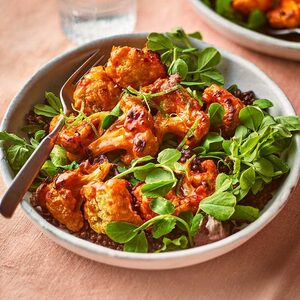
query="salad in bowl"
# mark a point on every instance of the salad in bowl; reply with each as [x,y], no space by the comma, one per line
[158,155]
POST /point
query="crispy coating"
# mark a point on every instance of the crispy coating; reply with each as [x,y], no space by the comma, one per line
[62,196]
[133,132]
[75,137]
[231,104]
[178,112]
[96,91]
[247,6]
[107,202]
[198,183]
[134,67]
[285,15]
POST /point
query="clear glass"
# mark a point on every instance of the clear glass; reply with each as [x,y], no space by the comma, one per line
[86,20]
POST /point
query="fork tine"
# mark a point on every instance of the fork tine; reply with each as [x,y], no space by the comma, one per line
[84,67]
[78,78]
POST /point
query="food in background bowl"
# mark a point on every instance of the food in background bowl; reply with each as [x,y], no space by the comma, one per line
[259,14]
[209,148]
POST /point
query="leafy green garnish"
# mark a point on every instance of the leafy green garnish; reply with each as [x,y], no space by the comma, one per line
[196,68]
[54,108]
[216,113]
[111,117]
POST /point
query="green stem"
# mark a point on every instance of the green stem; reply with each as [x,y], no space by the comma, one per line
[188,134]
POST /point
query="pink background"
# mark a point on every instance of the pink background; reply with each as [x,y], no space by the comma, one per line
[32,266]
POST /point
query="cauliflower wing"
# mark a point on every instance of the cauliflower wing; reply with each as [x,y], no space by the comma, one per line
[285,15]
[132,132]
[75,137]
[62,196]
[96,91]
[178,112]
[134,67]
[247,6]
[231,104]
[107,202]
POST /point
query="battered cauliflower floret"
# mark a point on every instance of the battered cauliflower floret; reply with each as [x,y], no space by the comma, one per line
[285,15]
[75,137]
[132,132]
[247,6]
[96,91]
[62,196]
[107,202]
[179,112]
[198,183]
[231,104]
[134,67]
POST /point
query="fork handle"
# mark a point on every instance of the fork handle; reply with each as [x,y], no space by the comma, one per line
[25,177]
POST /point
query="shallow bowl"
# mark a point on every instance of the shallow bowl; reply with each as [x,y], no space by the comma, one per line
[246,37]
[236,70]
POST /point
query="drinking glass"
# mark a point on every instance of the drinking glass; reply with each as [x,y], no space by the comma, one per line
[86,20]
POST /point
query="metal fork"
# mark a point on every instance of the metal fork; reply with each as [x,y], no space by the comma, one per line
[25,177]
[284,31]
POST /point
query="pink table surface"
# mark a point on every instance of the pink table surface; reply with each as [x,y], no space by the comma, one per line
[34,267]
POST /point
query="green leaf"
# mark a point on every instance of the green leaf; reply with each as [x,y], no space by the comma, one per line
[137,244]
[208,58]
[195,224]
[162,206]
[223,7]
[143,172]
[263,103]
[5,136]
[278,164]
[17,155]
[158,41]
[158,175]
[251,117]
[195,35]
[53,101]
[58,156]
[241,132]
[223,182]
[157,189]
[212,76]
[291,123]
[264,167]
[168,157]
[48,169]
[232,88]
[121,232]
[39,135]
[250,143]
[245,213]
[137,161]
[247,178]
[45,110]
[257,186]
[213,142]
[180,67]
[187,216]
[111,117]
[216,113]
[172,245]
[219,205]
[256,19]
[163,227]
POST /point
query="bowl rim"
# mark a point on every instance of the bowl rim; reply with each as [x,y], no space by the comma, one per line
[239,237]
[258,37]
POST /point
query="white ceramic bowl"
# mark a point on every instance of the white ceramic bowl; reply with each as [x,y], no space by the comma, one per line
[246,37]
[236,70]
